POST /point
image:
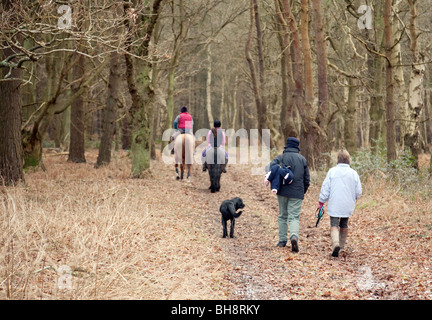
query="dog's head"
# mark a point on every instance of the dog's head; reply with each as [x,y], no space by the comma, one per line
[238,203]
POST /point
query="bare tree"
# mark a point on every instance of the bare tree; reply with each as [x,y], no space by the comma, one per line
[11,153]
[109,113]
[390,114]
[416,88]
[139,82]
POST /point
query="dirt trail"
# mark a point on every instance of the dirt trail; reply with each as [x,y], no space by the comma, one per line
[251,255]
[257,269]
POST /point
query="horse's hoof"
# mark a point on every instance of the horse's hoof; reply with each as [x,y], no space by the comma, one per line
[178,178]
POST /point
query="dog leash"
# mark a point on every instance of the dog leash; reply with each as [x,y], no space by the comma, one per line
[318,214]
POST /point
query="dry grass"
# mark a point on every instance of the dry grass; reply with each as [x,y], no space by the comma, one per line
[115,237]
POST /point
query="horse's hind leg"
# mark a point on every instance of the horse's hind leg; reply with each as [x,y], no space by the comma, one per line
[188,172]
[177,172]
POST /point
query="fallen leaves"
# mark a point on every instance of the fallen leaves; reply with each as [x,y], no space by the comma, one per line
[162,239]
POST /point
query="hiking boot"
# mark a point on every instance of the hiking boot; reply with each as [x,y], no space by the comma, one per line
[294,244]
[281,244]
[343,233]
[334,234]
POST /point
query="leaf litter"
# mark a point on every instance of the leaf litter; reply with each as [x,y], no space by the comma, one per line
[158,238]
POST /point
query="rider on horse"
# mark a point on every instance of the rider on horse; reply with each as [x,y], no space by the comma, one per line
[218,141]
[183,124]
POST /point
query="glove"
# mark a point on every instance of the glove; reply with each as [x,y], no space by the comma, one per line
[266,182]
[320,204]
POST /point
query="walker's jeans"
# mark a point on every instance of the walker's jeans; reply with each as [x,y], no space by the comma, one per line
[289,213]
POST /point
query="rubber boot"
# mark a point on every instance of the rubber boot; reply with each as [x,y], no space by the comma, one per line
[334,234]
[343,233]
[294,243]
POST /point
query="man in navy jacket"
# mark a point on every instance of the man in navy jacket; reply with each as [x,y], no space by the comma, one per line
[290,196]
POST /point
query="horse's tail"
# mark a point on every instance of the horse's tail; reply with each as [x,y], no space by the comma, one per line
[215,155]
[183,154]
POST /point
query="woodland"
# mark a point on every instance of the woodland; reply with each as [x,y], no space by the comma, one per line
[89,91]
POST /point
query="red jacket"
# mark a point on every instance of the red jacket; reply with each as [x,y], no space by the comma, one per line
[185,121]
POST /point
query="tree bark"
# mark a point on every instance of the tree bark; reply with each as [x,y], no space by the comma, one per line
[390,121]
[312,136]
[11,152]
[350,127]
[251,64]
[415,93]
[141,90]
[208,87]
[109,113]
[307,57]
[77,129]
[321,56]
[234,104]
[262,107]
[287,112]
[376,65]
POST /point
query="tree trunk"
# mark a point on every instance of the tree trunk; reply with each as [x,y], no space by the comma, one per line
[234,104]
[262,107]
[286,115]
[77,129]
[350,136]
[311,133]
[321,56]
[390,121]
[415,93]
[250,62]
[208,88]
[307,58]
[11,149]
[400,86]
[126,131]
[11,153]
[141,90]
[222,103]
[376,74]
[109,113]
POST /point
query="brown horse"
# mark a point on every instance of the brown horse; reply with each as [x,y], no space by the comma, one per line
[184,146]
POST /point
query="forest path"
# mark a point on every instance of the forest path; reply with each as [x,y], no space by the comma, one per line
[373,266]
[159,238]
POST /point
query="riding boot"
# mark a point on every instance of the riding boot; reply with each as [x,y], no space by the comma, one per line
[334,234]
[343,233]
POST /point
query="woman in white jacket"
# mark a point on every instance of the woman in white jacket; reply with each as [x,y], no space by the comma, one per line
[341,188]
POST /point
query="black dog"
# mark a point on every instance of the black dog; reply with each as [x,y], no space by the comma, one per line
[228,209]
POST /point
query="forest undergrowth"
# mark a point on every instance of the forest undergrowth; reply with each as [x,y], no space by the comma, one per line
[75,232]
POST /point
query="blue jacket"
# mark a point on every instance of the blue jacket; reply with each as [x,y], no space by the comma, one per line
[277,174]
[292,158]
